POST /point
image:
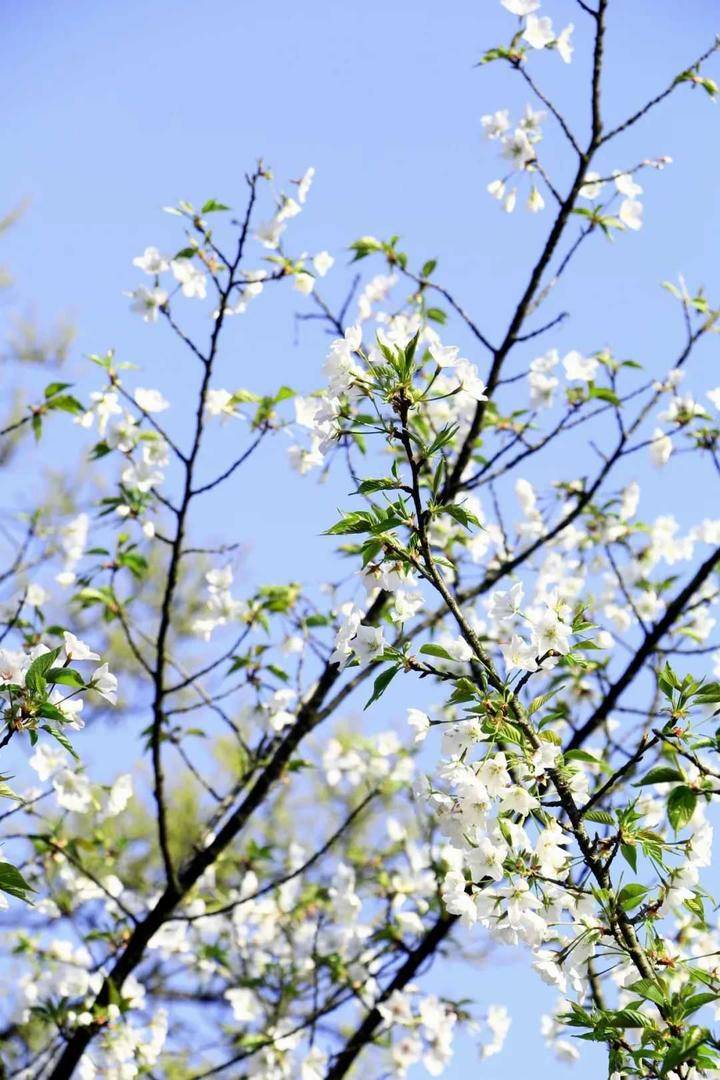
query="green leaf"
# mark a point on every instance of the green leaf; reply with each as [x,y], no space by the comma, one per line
[367,487]
[212,206]
[538,702]
[627,1018]
[279,598]
[66,403]
[600,816]
[317,620]
[99,450]
[299,764]
[684,1048]
[498,53]
[605,394]
[629,854]
[708,695]
[409,353]
[649,990]
[278,672]
[464,691]
[359,521]
[681,806]
[696,906]
[443,437]
[370,550]
[661,774]
[66,676]
[55,387]
[632,895]
[588,645]
[582,755]
[364,246]
[12,882]
[35,677]
[381,683]
[460,514]
[62,739]
[6,792]
[696,1001]
[104,595]
[49,711]
[668,681]
[136,563]
[436,650]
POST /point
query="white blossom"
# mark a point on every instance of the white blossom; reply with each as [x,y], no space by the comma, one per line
[151,261]
[538,31]
[191,279]
[150,401]
[147,302]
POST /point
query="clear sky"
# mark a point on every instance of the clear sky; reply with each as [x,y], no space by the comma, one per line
[113,110]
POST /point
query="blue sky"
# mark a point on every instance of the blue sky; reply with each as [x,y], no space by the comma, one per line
[114,110]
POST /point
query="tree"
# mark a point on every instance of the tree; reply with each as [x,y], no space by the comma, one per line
[269,910]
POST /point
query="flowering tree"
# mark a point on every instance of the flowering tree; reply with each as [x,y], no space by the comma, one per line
[271,907]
